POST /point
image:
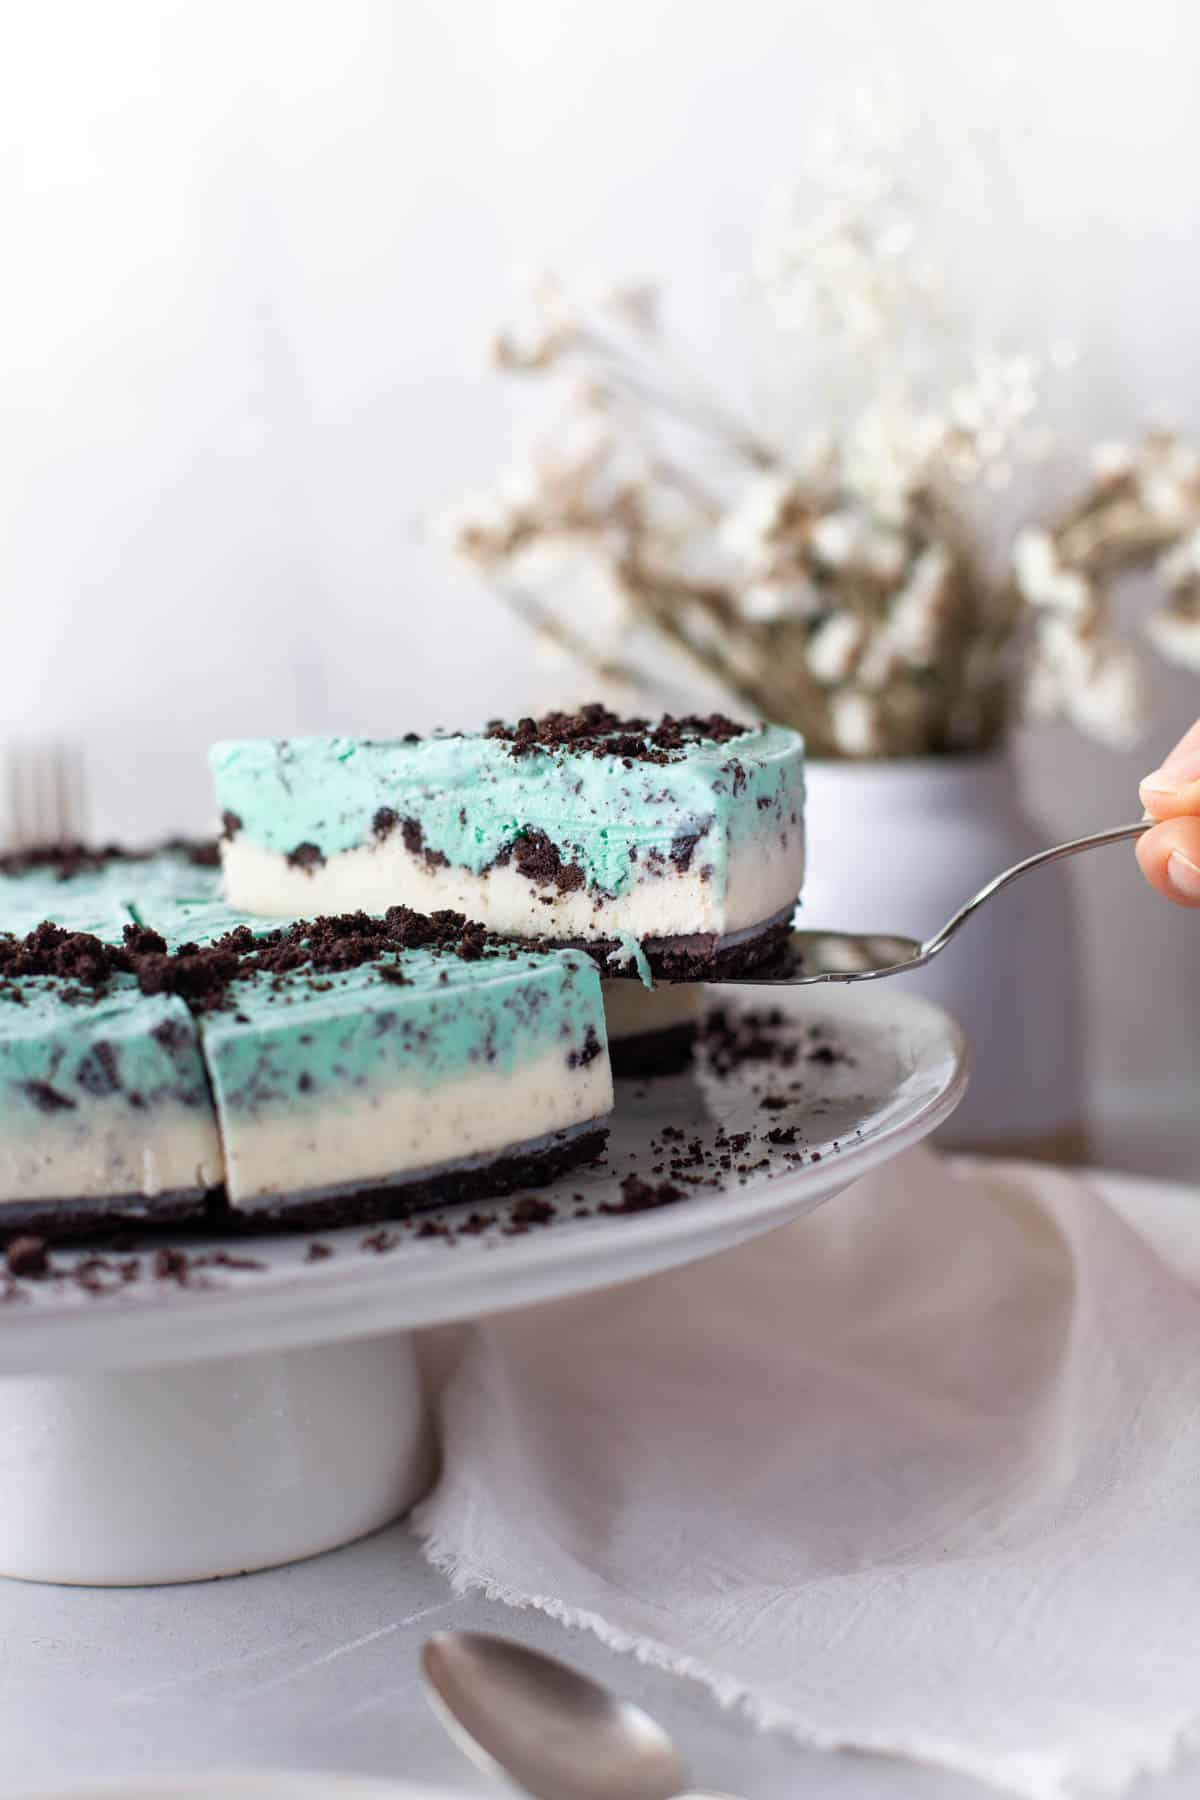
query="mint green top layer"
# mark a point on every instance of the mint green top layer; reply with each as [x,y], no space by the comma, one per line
[122,1055]
[285,1044]
[99,899]
[472,798]
[23,909]
[119,1056]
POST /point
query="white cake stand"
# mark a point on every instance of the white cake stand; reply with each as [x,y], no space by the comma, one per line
[166,1433]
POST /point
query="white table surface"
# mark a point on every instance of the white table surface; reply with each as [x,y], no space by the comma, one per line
[314,1666]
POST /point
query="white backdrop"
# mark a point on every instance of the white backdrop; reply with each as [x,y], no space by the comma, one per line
[249,249]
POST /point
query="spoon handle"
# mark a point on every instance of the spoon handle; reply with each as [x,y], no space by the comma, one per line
[1116,835]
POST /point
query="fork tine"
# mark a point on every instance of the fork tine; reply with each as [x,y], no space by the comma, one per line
[79,817]
[34,785]
[40,798]
[16,811]
[43,795]
[60,797]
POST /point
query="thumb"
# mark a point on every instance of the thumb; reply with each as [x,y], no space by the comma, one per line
[1173,792]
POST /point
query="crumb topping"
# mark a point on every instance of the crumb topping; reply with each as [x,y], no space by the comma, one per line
[595,731]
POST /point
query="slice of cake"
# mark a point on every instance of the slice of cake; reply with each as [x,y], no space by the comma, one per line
[93,889]
[681,840]
[367,1067]
[105,1114]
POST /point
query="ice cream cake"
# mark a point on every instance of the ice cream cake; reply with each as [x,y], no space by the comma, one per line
[680,842]
[375,1065]
[105,1113]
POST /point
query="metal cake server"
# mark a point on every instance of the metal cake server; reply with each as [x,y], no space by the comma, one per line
[811,956]
[547,1728]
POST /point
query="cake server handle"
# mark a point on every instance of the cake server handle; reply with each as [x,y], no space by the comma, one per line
[811,956]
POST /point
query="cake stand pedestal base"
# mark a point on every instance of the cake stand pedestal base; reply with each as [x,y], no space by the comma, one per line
[135,1477]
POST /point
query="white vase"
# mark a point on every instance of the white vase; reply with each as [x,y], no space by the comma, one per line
[899,846]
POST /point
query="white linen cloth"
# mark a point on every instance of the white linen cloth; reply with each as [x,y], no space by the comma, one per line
[919,1474]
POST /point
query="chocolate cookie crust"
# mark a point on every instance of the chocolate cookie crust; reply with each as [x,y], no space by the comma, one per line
[701,958]
[62,1221]
[533,1166]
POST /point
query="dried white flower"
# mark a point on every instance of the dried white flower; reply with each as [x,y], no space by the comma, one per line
[836,538]
[1090,679]
[1041,577]
[1168,477]
[1180,567]
[878,662]
[478,527]
[1064,649]
[846,585]
[844,255]
[751,526]
[857,723]
[1113,461]
[769,600]
[1111,703]
[546,326]
[1176,636]
[889,455]
[914,619]
[993,406]
[883,553]
[1162,497]
[835,647]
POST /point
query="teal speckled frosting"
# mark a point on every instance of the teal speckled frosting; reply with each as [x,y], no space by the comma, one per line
[303,1039]
[183,921]
[122,1052]
[23,907]
[306,1041]
[472,798]
[98,897]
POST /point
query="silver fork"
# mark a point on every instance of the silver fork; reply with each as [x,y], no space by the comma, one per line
[44,795]
[810,956]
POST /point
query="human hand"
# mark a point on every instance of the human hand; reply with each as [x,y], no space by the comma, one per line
[1169,853]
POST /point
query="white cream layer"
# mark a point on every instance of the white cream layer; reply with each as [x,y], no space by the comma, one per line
[407,1129]
[81,1156]
[762,880]
[630,1010]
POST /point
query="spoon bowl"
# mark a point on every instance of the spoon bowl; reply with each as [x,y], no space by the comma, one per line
[554,1732]
[809,956]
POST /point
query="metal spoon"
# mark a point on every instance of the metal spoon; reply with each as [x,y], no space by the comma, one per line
[554,1732]
[810,956]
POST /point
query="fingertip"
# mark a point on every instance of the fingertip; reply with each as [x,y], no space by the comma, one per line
[1171,793]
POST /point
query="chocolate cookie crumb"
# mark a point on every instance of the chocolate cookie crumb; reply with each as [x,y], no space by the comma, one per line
[592,1048]
[28,1257]
[639,1195]
[414,843]
[307,857]
[541,862]
[596,731]
[531,1209]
